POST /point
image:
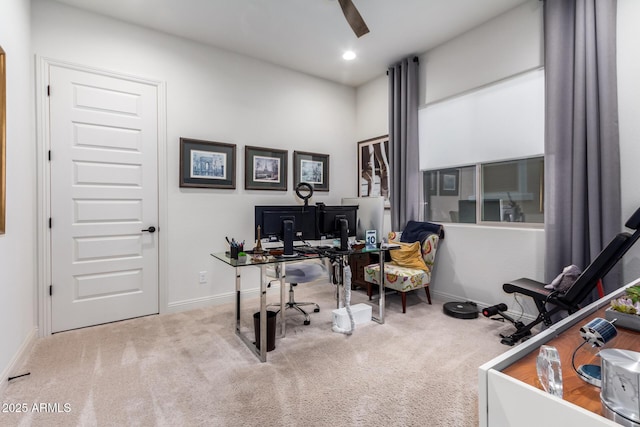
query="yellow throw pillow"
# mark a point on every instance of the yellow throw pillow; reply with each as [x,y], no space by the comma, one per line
[408,255]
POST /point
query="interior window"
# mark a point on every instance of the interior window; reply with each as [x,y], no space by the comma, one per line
[449,194]
[513,191]
[509,192]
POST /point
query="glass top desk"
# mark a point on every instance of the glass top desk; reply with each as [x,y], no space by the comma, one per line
[280,263]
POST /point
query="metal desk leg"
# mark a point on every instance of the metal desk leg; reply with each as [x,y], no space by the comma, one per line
[283,321]
[262,352]
[340,281]
[263,314]
[381,299]
[237,301]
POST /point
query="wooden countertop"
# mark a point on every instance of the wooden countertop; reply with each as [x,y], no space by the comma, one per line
[575,390]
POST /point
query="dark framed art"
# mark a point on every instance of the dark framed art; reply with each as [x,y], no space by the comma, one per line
[448,181]
[373,168]
[265,168]
[207,164]
[312,168]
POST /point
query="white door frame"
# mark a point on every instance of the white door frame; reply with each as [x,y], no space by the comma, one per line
[43,195]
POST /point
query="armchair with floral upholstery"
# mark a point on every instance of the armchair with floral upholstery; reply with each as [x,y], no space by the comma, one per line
[412,264]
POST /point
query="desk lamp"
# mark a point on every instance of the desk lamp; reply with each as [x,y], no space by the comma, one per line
[597,332]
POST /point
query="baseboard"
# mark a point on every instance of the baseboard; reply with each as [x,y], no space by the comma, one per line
[211,300]
[18,359]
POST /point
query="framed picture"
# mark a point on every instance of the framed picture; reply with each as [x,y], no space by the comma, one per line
[206,164]
[373,168]
[449,182]
[265,168]
[312,168]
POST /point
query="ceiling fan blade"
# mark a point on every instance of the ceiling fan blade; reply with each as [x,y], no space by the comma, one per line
[353,17]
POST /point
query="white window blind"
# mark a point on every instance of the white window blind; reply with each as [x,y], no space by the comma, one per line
[498,122]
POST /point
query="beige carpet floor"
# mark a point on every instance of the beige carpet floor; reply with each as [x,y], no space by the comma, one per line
[190,369]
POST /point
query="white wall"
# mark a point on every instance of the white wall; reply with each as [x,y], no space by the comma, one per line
[372,112]
[17,247]
[474,261]
[502,47]
[455,67]
[628,114]
[372,120]
[219,96]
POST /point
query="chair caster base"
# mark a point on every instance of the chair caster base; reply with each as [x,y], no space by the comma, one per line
[307,322]
[316,310]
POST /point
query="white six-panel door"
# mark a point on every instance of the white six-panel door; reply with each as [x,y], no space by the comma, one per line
[104,193]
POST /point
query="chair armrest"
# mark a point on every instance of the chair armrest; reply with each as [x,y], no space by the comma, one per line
[429,249]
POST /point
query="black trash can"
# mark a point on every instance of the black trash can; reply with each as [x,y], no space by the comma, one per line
[271,329]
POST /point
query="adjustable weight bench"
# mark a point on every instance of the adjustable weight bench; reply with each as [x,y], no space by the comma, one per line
[571,299]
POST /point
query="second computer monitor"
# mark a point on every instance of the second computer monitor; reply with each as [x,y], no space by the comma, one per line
[329,220]
[370,215]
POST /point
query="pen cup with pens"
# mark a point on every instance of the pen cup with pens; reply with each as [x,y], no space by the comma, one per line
[235,248]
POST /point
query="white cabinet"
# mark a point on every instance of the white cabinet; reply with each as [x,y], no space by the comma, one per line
[507,401]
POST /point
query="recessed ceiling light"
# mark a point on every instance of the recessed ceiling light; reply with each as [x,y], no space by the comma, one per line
[349,55]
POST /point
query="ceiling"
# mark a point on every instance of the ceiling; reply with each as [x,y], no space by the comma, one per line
[309,35]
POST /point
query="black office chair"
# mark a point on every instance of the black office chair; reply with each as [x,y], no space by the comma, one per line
[571,299]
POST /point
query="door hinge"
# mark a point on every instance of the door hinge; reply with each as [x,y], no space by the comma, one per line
[50,290]
[49,222]
[48,90]
[49,155]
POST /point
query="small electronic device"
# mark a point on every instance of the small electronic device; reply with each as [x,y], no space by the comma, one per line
[597,332]
[370,239]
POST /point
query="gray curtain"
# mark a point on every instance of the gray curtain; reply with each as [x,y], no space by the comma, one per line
[403,142]
[582,157]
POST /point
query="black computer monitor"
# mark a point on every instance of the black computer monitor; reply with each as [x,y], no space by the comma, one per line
[273,219]
[329,221]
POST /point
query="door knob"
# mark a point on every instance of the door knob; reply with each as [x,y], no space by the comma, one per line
[151,229]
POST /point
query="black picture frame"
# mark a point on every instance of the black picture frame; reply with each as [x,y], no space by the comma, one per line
[207,164]
[312,168]
[449,182]
[373,169]
[265,168]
